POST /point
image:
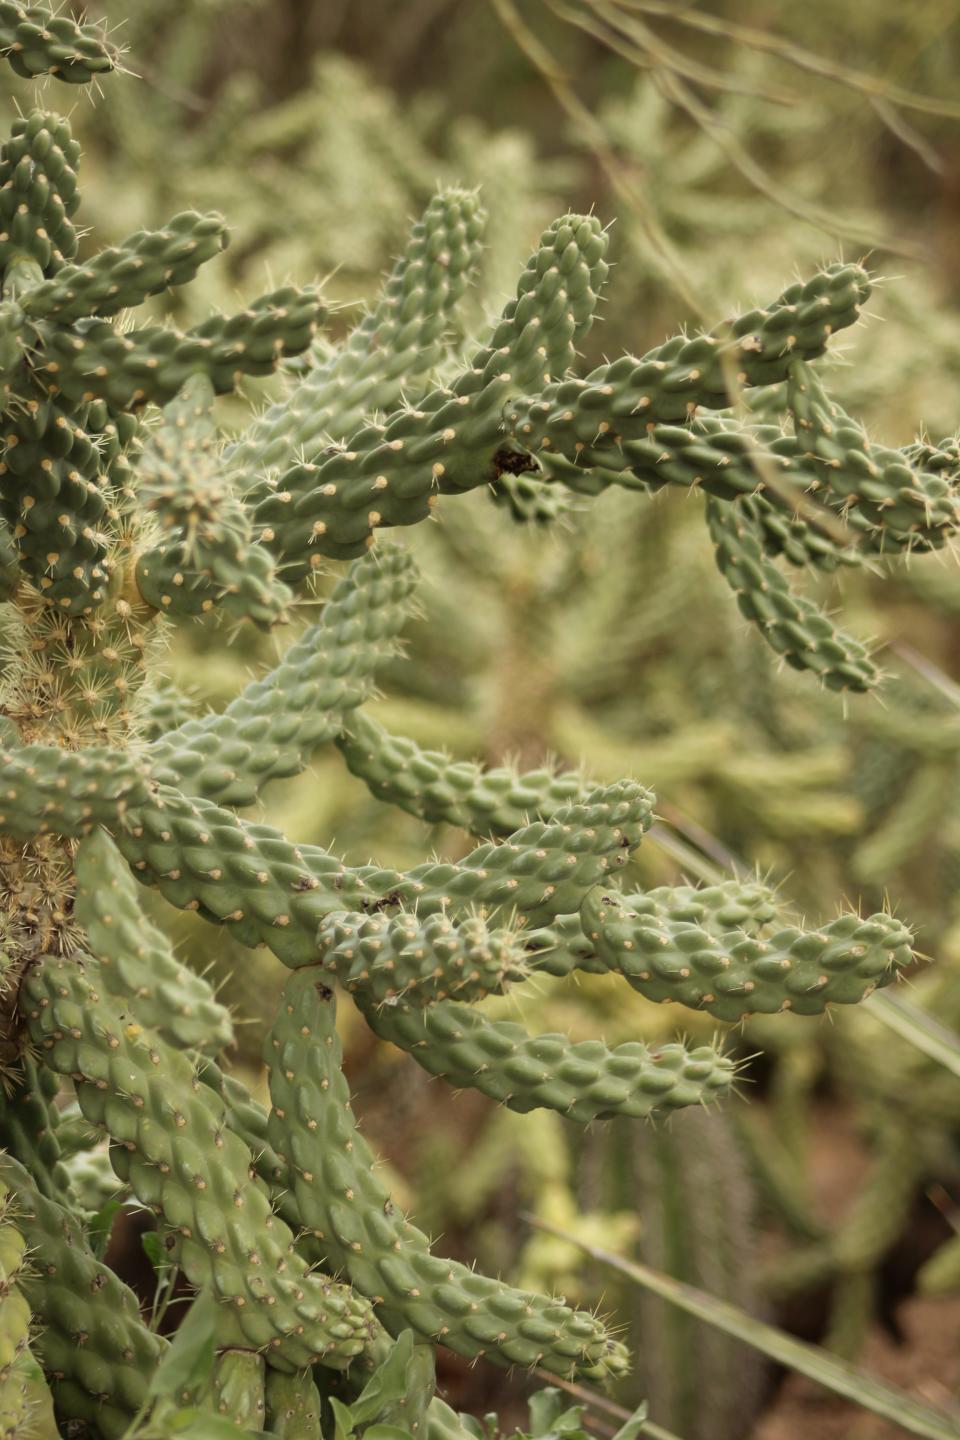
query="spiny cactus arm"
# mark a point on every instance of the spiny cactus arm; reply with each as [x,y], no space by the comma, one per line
[561,947]
[273,726]
[57,504]
[387,474]
[418,960]
[755,348]
[341,1200]
[207,556]
[791,624]
[389,354]
[203,857]
[557,295]
[94,361]
[125,275]
[29,1126]
[20,1391]
[543,869]
[584,1081]
[36,41]
[162,707]
[93,1345]
[293,1406]
[799,539]
[248,876]
[137,963]
[529,500]
[441,790]
[870,483]
[174,1149]
[38,193]
[46,790]
[732,975]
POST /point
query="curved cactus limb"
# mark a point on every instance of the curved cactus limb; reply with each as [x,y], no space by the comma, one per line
[38,42]
[136,961]
[210,556]
[340,1199]
[404,957]
[790,624]
[45,790]
[174,1149]
[38,191]
[94,361]
[584,1081]
[389,354]
[275,723]
[439,789]
[125,275]
[731,973]
[93,1345]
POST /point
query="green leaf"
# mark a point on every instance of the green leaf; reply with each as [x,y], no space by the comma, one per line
[636,1425]
[386,1432]
[195,1424]
[550,1415]
[188,1364]
[387,1384]
[154,1251]
[342,1419]
[100,1225]
[913,1416]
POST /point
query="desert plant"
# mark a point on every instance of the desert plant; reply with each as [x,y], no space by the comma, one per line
[121,509]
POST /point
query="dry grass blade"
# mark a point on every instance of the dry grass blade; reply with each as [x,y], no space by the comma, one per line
[796,55]
[644,49]
[912,1415]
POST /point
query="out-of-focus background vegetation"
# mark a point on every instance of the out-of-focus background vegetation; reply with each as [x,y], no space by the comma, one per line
[828,1197]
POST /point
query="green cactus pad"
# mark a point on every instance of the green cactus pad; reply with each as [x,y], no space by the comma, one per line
[388,474]
[173,1148]
[125,275]
[136,960]
[94,361]
[93,1345]
[868,482]
[273,726]
[55,499]
[37,42]
[45,790]
[755,348]
[210,558]
[30,1128]
[237,1389]
[584,1081]
[733,974]
[439,789]
[389,355]
[343,1203]
[404,957]
[202,857]
[38,191]
[790,624]
[293,1406]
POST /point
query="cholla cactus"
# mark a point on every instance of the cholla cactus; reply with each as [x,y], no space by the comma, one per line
[116,517]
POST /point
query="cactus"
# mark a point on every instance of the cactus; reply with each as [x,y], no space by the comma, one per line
[117,518]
